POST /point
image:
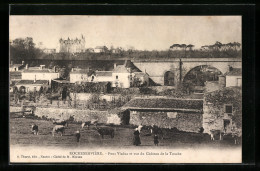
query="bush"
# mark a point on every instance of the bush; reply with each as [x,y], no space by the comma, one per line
[146,90]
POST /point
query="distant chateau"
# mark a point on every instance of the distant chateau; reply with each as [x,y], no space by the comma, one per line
[72,45]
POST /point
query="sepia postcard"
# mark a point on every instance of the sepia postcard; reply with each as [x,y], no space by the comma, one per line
[125,89]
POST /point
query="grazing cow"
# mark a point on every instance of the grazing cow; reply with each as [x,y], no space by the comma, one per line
[35,129]
[139,128]
[106,131]
[61,122]
[88,123]
[57,129]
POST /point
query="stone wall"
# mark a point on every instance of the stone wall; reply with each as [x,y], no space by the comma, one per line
[15,109]
[78,115]
[212,86]
[189,122]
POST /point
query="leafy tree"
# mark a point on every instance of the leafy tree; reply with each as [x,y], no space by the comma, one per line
[23,49]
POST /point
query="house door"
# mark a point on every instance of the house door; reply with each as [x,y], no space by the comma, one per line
[226,125]
[126,117]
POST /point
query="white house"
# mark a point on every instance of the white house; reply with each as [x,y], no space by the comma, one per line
[32,85]
[82,75]
[234,77]
[104,76]
[122,77]
[40,74]
[100,49]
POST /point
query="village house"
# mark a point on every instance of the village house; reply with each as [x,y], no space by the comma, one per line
[81,75]
[103,76]
[183,114]
[39,73]
[49,51]
[100,49]
[122,76]
[32,85]
[223,110]
[91,50]
[229,79]
[234,77]
[16,67]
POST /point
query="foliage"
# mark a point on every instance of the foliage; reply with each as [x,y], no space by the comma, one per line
[23,49]
[147,90]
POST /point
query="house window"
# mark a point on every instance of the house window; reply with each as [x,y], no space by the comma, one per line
[228,109]
[92,78]
[172,114]
[117,77]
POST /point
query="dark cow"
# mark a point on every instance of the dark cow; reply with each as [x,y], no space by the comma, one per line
[88,123]
[61,122]
[57,129]
[106,131]
[35,129]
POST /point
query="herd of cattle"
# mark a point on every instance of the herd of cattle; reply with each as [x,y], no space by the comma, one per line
[102,131]
[61,124]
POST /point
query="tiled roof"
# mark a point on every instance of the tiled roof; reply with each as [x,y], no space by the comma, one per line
[15,65]
[82,71]
[39,71]
[165,104]
[23,82]
[139,74]
[100,47]
[104,73]
[235,72]
[120,69]
[15,75]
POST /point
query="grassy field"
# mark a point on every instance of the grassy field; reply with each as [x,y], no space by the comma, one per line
[21,135]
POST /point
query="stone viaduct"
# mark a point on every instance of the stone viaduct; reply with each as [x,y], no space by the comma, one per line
[157,69]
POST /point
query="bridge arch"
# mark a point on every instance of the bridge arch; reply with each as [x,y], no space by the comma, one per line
[198,75]
[169,79]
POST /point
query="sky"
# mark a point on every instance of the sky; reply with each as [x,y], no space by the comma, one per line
[140,32]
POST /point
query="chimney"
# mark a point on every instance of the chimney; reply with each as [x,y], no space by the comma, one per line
[54,68]
[34,78]
[114,65]
[11,62]
[222,81]
[230,68]
[22,62]
[125,63]
[26,66]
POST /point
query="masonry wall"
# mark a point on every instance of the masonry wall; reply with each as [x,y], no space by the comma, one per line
[78,115]
[189,122]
